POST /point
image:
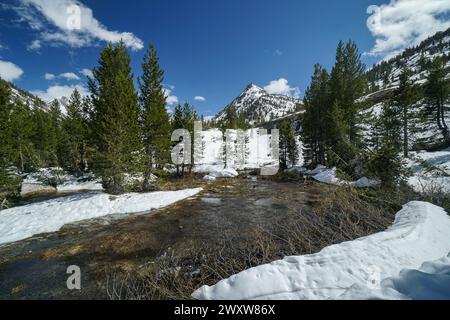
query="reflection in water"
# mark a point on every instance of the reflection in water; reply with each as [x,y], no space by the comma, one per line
[213,201]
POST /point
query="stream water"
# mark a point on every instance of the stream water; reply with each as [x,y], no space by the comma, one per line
[36,267]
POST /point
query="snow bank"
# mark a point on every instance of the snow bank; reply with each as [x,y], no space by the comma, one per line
[209,178]
[225,173]
[421,232]
[430,282]
[328,176]
[49,216]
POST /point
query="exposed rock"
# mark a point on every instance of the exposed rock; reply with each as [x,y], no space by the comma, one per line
[30,190]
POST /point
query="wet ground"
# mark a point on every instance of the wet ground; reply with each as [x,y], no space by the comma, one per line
[36,268]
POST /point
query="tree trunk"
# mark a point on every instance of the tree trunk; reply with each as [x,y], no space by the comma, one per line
[439,116]
[405,131]
[444,124]
[22,162]
[82,161]
[148,172]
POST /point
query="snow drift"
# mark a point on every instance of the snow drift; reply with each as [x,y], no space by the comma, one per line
[430,282]
[48,216]
[421,232]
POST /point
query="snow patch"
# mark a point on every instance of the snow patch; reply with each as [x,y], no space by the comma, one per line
[225,173]
[328,176]
[48,216]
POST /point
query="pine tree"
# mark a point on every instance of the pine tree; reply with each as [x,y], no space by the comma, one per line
[116,134]
[41,135]
[437,90]
[405,96]
[232,120]
[21,132]
[54,133]
[385,163]
[5,114]
[73,149]
[288,145]
[5,136]
[155,119]
[391,124]
[242,122]
[317,118]
[355,86]
[177,118]
[348,82]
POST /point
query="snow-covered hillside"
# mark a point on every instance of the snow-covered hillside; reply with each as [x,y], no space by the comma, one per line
[423,132]
[22,96]
[430,171]
[384,80]
[353,269]
[259,106]
[386,73]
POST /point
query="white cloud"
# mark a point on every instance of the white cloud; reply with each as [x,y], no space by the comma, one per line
[69,22]
[49,76]
[34,45]
[170,98]
[404,23]
[281,86]
[200,98]
[9,71]
[87,72]
[57,92]
[278,52]
[69,76]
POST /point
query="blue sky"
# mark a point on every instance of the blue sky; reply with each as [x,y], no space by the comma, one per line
[208,48]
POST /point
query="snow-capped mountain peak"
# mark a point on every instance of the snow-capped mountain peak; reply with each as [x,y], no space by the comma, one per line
[253,88]
[259,106]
